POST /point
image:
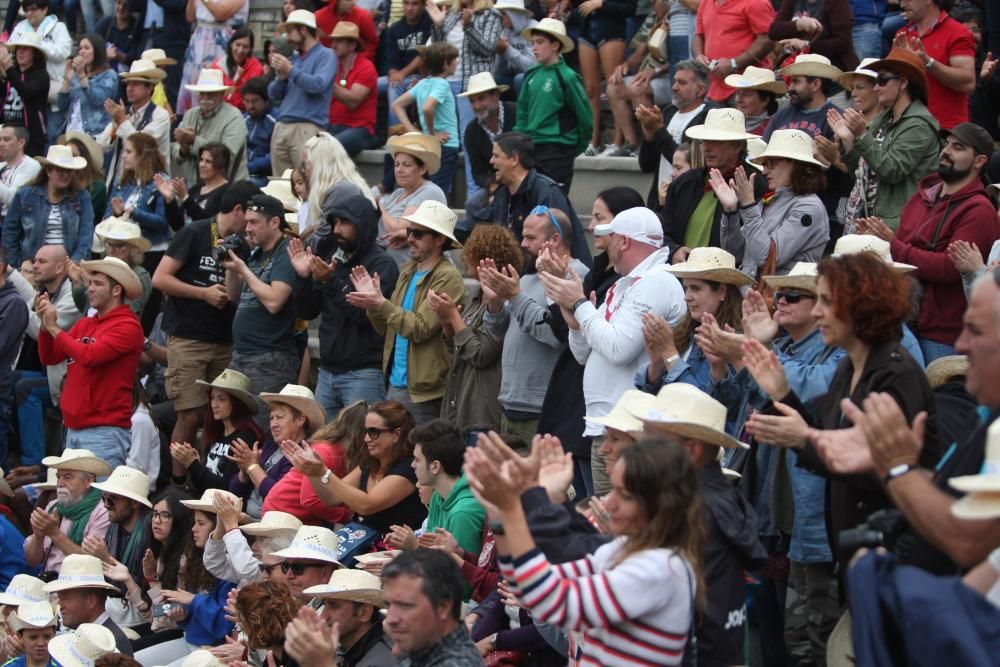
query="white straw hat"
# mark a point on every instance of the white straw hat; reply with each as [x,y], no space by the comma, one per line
[145,71]
[846,79]
[683,409]
[62,157]
[209,81]
[79,571]
[757,78]
[554,28]
[34,616]
[482,83]
[29,38]
[302,399]
[516,6]
[623,417]
[282,190]
[83,646]
[852,244]
[50,483]
[353,585]
[23,588]
[128,483]
[313,543]
[83,460]
[988,482]
[721,125]
[803,276]
[121,231]
[158,57]
[711,264]
[301,17]
[235,384]
[118,271]
[755,146]
[206,504]
[273,524]
[790,145]
[812,64]
[436,217]
[202,658]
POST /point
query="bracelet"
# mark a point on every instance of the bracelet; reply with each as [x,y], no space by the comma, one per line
[748,206]
[250,468]
[898,471]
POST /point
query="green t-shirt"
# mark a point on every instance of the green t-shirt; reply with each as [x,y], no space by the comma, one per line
[255,330]
[699,229]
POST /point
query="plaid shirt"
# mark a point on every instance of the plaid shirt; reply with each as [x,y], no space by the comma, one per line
[479,41]
[455,649]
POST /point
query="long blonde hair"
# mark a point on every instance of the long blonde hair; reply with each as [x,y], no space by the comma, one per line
[330,165]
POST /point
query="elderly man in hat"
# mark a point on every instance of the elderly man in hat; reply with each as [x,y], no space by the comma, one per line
[120,238]
[493,118]
[213,120]
[309,561]
[355,91]
[105,349]
[83,594]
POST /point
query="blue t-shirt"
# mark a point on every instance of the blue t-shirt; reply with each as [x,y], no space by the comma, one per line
[397,378]
[445,115]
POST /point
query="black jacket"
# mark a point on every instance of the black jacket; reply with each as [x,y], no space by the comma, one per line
[31,111]
[479,146]
[175,31]
[662,145]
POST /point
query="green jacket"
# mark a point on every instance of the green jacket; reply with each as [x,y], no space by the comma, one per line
[460,514]
[427,360]
[553,107]
[909,151]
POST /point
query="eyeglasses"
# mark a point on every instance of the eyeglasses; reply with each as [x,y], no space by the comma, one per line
[266,569]
[542,209]
[884,79]
[374,433]
[298,569]
[792,297]
[161,516]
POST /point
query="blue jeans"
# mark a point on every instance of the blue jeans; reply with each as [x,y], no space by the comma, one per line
[422,412]
[109,443]
[445,176]
[678,49]
[353,139]
[465,116]
[392,92]
[890,26]
[31,391]
[934,350]
[867,40]
[335,391]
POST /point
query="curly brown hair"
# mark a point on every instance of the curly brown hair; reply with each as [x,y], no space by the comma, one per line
[148,160]
[264,609]
[868,293]
[492,242]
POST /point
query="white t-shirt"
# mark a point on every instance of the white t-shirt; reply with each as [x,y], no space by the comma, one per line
[676,128]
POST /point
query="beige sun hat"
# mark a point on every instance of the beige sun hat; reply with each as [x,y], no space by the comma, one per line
[791,145]
[120,230]
[93,149]
[812,64]
[83,646]
[118,271]
[721,125]
[803,276]
[352,585]
[282,190]
[62,157]
[83,460]
[422,146]
[273,524]
[943,369]
[852,244]
[623,417]
[206,502]
[554,28]
[516,6]
[158,57]
[299,17]
[30,39]
[235,384]
[482,83]
[757,78]
[711,264]
[313,543]
[145,71]
[437,217]
[987,483]
[683,409]
[50,483]
[79,571]
[22,589]
[755,146]
[209,81]
[347,30]
[128,483]
[302,399]
[202,658]
[846,79]
[34,616]
[984,505]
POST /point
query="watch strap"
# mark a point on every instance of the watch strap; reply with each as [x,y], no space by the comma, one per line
[578,303]
[898,471]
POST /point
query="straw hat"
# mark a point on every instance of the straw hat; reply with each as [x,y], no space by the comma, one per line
[623,417]
[516,6]
[83,460]
[298,17]
[145,71]
[292,220]
[313,543]
[122,231]
[482,83]
[273,524]
[49,484]
[757,78]
[62,157]
[128,483]
[711,264]
[943,369]
[5,489]
[22,589]
[79,571]
[803,277]
[791,145]
[209,81]
[977,506]
[93,150]
[755,147]
[905,63]
[158,57]
[235,384]
[437,217]
[30,39]
[302,399]
[683,409]
[988,482]
[422,146]
[846,79]
[852,244]
[282,190]
[206,504]
[812,64]
[83,646]
[202,658]
[721,125]
[34,616]
[554,28]
[352,585]
[346,30]
[118,271]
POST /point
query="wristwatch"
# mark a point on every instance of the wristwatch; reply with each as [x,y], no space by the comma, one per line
[897,471]
[733,65]
[930,64]
[146,344]
[578,303]
[671,360]
[326,476]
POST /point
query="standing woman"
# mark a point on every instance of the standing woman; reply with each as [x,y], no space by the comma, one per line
[26,89]
[88,82]
[239,65]
[215,23]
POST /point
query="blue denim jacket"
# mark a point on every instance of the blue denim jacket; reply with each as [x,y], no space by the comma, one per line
[101,87]
[28,217]
[150,211]
[259,146]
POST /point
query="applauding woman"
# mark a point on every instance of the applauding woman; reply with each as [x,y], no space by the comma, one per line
[88,82]
[136,196]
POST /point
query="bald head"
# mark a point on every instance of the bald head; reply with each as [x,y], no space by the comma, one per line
[50,266]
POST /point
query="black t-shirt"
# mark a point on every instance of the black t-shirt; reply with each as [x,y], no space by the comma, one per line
[410,512]
[194,318]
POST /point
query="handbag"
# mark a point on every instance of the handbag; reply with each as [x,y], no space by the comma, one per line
[354,539]
[657,42]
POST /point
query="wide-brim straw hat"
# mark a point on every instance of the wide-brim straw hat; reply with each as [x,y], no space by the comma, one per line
[352,585]
[846,79]
[982,505]
[757,78]
[686,411]
[30,39]
[852,244]
[206,502]
[50,483]
[790,145]
[273,524]
[813,64]
[22,589]
[83,646]
[623,417]
[282,190]
[554,28]
[905,63]
[755,147]
[122,231]
[516,6]
[943,369]
[482,83]
[711,264]
[128,483]
[347,30]
[143,70]
[93,150]
[80,571]
[721,125]
[302,17]
[302,399]
[803,276]
[235,384]
[62,157]
[437,217]
[118,271]
[313,543]
[158,57]
[202,658]
[83,460]
[422,146]
[209,81]
[33,616]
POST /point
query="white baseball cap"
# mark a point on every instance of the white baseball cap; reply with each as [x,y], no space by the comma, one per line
[639,224]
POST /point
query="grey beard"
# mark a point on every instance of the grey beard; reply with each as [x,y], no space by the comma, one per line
[66,499]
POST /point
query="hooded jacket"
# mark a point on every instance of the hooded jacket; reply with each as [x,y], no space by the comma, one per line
[347,339]
[14,315]
[460,514]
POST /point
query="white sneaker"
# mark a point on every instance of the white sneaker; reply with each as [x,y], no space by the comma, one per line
[610,150]
[591,151]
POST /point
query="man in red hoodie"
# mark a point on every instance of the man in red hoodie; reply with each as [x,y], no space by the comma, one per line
[103,353]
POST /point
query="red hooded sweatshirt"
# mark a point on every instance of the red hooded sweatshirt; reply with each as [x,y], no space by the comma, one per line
[967,215]
[103,354]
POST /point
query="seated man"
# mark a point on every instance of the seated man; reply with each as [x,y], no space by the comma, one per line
[309,561]
[83,597]
[213,120]
[260,125]
[355,92]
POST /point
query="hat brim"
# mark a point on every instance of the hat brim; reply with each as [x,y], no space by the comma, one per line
[706,133]
[694,431]
[57,586]
[307,406]
[565,41]
[739,83]
[96,154]
[106,487]
[514,8]
[12,601]
[16,624]
[140,244]
[74,164]
[304,554]
[805,283]
[768,153]
[915,76]
[244,397]
[36,47]
[164,62]
[257,529]
[943,369]
[430,159]
[124,276]
[209,88]
[40,486]
[154,75]
[818,70]
[500,88]
[977,506]
[727,276]
[610,422]
[846,79]
[433,226]
[283,27]
[91,464]
[371,596]
[976,483]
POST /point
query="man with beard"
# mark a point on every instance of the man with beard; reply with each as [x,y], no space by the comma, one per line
[141,114]
[518,313]
[214,120]
[493,118]
[350,348]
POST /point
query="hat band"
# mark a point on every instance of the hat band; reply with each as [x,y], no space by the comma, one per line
[74,651]
[81,578]
[24,596]
[306,546]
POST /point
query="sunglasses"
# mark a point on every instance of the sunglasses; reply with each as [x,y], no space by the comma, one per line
[792,297]
[160,516]
[417,233]
[109,499]
[266,569]
[298,569]
[374,433]
[542,209]
[884,79]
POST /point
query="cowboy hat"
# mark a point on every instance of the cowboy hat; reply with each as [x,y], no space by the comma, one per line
[128,483]
[791,145]
[851,244]
[302,399]
[80,571]
[803,276]
[118,271]
[623,417]
[943,369]
[553,28]
[5,489]
[206,502]
[985,505]
[313,543]
[683,409]
[352,585]
[83,646]
[905,63]
[302,17]
[424,147]
[49,484]
[721,125]
[713,264]
[93,150]
[436,217]
[846,79]
[812,64]
[516,6]
[757,78]
[482,83]
[235,384]
[143,70]
[209,81]
[347,30]
[34,616]
[83,460]
[755,146]
[202,658]
[120,230]
[987,482]
[273,524]
[30,39]
[23,588]
[282,190]
[158,57]
[62,157]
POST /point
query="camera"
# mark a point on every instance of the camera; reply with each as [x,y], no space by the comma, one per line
[880,529]
[161,610]
[235,242]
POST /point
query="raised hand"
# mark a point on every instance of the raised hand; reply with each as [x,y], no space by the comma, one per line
[658,337]
[650,119]
[555,467]
[787,430]
[758,322]
[309,640]
[299,256]
[724,192]
[989,67]
[183,453]
[965,256]
[367,292]
[743,186]
[564,291]
[443,306]
[876,227]
[840,128]
[713,341]
[303,457]
[94,545]
[401,537]
[149,564]
[115,570]
[243,455]
[165,186]
[765,368]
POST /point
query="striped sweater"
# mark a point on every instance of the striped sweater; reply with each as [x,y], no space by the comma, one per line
[637,612]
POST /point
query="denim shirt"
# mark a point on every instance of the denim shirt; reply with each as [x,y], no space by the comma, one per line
[259,146]
[150,211]
[28,217]
[101,87]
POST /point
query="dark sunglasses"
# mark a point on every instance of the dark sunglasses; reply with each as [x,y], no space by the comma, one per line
[374,433]
[884,79]
[109,499]
[266,569]
[417,233]
[298,569]
[792,297]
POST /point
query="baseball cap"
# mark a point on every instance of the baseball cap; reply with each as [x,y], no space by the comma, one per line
[269,206]
[238,194]
[639,224]
[971,135]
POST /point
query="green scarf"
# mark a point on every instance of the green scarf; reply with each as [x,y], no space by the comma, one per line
[79,513]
